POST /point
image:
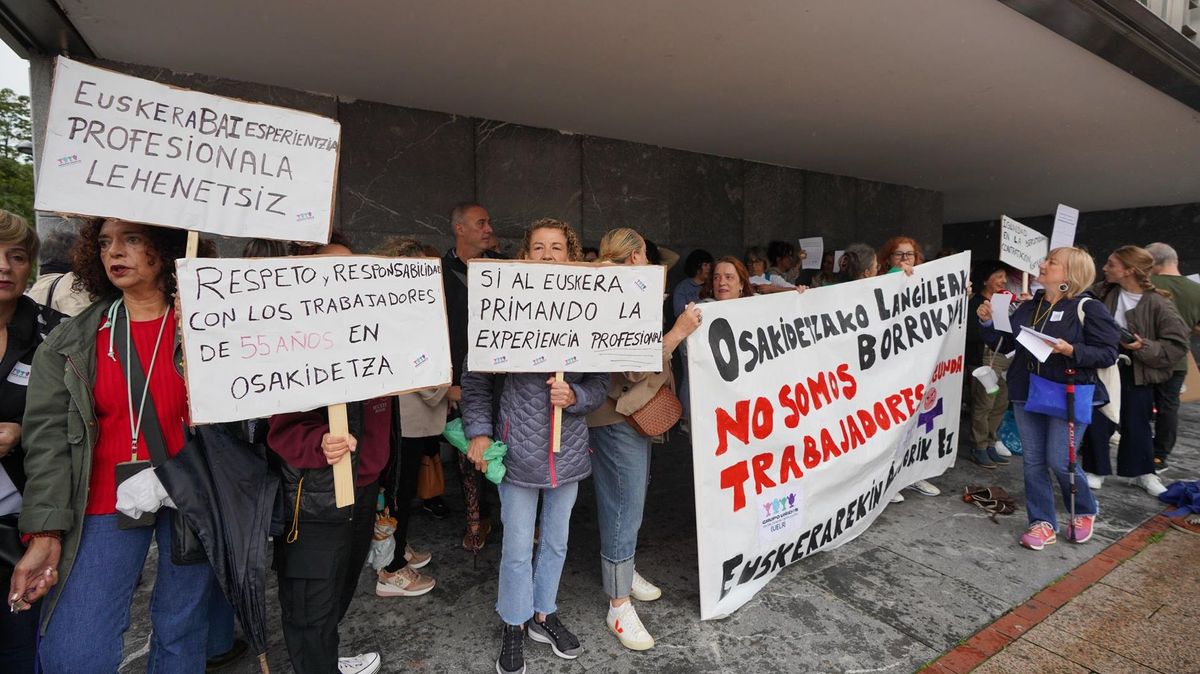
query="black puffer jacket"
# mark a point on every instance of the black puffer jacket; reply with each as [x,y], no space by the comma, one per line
[523,423]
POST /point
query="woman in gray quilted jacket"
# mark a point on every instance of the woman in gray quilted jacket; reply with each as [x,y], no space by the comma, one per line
[528,589]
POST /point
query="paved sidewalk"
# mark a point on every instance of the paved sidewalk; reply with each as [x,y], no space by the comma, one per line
[929,574]
[1135,615]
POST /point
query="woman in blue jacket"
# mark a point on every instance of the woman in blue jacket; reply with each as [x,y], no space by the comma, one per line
[1083,345]
[527,596]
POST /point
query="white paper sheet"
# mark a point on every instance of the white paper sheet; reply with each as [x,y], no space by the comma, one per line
[1194,277]
[837,260]
[815,247]
[1038,344]
[1001,303]
[1065,221]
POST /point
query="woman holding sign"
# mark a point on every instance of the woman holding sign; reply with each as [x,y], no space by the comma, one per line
[527,597]
[1153,338]
[1080,347]
[106,398]
[621,461]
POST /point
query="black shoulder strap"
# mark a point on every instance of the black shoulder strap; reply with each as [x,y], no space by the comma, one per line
[53,287]
[151,431]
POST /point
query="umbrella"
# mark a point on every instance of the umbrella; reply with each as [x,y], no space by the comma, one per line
[494,454]
[222,487]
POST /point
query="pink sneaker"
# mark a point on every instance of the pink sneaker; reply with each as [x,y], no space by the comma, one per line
[1039,535]
[1083,528]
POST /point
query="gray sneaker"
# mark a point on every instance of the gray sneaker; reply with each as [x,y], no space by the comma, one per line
[553,632]
[996,458]
[980,456]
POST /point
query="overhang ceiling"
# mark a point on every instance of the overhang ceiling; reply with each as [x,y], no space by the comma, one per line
[967,97]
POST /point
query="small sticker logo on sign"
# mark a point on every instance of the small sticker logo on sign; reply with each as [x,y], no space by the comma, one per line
[539,360]
[640,284]
[776,514]
[420,360]
[305,216]
[571,360]
[498,360]
[68,160]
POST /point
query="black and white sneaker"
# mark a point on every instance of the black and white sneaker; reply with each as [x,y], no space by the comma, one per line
[512,651]
[553,632]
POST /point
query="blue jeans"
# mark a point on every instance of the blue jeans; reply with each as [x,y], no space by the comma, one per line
[529,585]
[1044,441]
[621,469]
[92,614]
[220,624]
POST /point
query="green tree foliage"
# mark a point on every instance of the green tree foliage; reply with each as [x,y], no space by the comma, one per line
[16,169]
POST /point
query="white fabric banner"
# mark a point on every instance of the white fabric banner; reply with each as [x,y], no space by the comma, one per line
[123,147]
[808,412]
[548,317]
[271,335]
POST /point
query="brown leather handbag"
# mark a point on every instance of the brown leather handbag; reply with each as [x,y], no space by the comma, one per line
[658,415]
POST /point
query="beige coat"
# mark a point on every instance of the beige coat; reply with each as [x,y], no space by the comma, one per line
[423,413]
[629,392]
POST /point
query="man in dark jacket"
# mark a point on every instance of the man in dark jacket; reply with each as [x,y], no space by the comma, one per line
[473,238]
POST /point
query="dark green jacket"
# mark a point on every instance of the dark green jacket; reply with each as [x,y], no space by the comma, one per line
[58,451]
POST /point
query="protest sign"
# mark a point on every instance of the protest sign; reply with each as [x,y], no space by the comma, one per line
[814,249]
[549,317]
[1021,246]
[809,411]
[271,335]
[124,147]
[1065,221]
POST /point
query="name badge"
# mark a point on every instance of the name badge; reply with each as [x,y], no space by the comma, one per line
[20,374]
[1056,316]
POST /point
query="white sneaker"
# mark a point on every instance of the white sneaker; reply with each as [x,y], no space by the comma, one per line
[898,498]
[925,488]
[1002,450]
[1150,483]
[367,663]
[624,622]
[644,590]
[1094,481]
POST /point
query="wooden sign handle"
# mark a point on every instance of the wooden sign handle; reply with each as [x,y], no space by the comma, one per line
[1025,283]
[556,422]
[343,470]
[193,244]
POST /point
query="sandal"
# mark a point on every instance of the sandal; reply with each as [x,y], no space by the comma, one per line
[477,533]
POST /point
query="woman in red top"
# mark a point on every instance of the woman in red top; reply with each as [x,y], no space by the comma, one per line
[86,426]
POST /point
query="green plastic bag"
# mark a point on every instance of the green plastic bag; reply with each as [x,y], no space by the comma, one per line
[494,455]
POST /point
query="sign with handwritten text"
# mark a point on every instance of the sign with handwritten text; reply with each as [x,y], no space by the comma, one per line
[271,335]
[1021,246]
[123,147]
[547,317]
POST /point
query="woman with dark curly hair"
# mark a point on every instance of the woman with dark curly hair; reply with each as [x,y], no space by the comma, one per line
[107,391]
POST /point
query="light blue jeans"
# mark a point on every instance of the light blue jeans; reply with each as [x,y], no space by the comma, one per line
[621,469]
[529,585]
[1044,441]
[85,632]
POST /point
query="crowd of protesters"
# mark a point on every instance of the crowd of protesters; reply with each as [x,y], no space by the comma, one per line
[88,403]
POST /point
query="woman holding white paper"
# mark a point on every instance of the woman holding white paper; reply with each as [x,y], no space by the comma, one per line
[988,407]
[1081,346]
[1153,337]
[528,590]
[88,425]
[621,461]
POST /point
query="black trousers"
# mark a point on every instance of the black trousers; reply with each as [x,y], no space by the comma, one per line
[402,487]
[1166,421]
[18,636]
[318,576]
[1135,453]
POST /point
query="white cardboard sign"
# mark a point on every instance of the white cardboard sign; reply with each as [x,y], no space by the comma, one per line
[124,147]
[548,317]
[271,335]
[809,411]
[1021,246]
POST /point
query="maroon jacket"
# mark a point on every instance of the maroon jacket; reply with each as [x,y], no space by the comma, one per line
[296,438]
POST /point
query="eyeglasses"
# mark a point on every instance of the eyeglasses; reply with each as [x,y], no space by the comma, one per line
[904,255]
